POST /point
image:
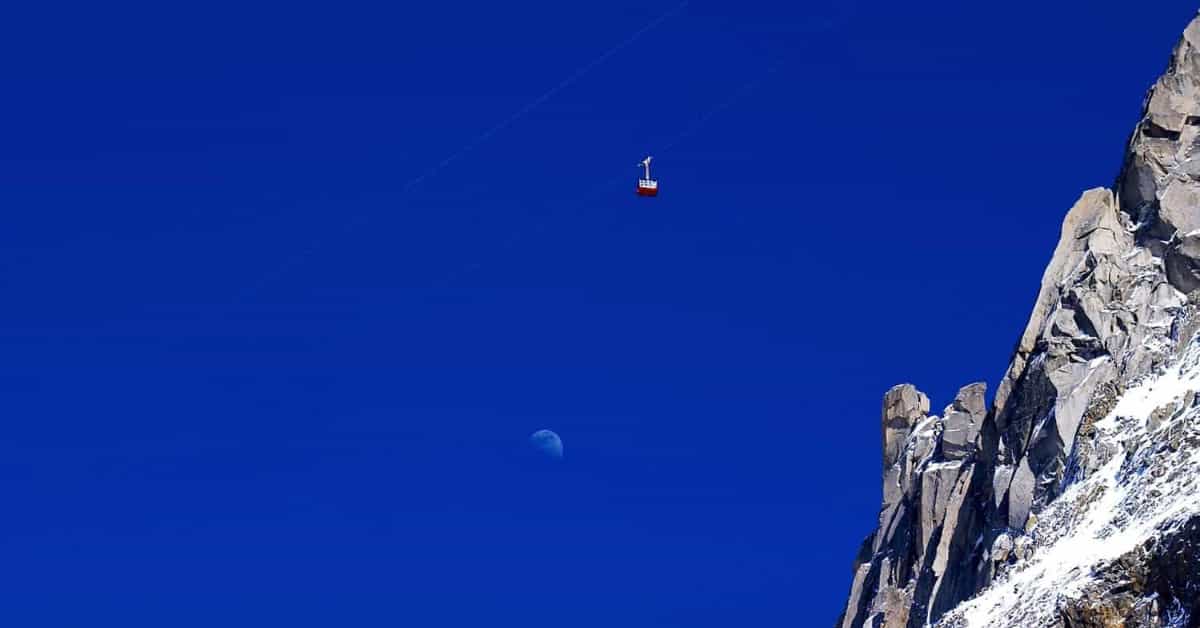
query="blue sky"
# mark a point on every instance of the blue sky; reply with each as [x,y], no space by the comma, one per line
[270,359]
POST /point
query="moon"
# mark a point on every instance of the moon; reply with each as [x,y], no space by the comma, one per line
[548,443]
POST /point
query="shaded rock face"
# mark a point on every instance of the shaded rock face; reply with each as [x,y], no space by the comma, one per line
[963,490]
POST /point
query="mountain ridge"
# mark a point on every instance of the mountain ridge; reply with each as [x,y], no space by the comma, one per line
[964,492]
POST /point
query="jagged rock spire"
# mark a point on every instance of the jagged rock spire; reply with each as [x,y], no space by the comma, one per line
[903,407]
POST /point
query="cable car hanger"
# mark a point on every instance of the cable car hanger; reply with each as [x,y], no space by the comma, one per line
[647,186]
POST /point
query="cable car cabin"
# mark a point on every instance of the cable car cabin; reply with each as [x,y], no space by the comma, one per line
[647,186]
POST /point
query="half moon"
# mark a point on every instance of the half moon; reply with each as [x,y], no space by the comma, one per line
[548,443]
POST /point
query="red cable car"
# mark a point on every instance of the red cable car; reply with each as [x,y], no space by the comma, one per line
[647,186]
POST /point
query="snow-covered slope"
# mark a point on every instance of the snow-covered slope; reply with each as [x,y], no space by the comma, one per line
[1147,486]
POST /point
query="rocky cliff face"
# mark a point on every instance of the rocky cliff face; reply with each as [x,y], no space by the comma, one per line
[1074,500]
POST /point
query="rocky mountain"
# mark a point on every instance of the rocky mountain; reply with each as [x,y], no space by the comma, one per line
[1074,498]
